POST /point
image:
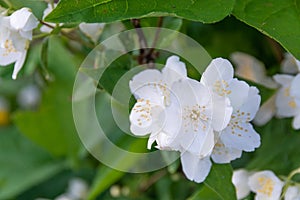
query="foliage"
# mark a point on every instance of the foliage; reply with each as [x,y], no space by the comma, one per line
[41,145]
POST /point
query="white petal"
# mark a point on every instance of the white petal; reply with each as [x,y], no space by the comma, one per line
[174,70]
[218,69]
[140,131]
[92,30]
[26,34]
[248,67]
[147,84]
[141,114]
[283,79]
[19,64]
[289,64]
[222,111]
[240,180]
[265,112]
[199,143]
[292,193]
[194,168]
[23,19]
[190,92]
[45,29]
[266,185]
[241,136]
[238,92]
[222,154]
[285,104]
[250,107]
[8,58]
[296,121]
[295,88]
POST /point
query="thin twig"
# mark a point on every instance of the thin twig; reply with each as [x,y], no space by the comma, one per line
[153,179]
[147,55]
[67,35]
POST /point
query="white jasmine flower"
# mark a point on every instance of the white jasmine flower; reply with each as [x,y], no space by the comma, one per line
[44,28]
[292,193]
[290,65]
[151,88]
[15,33]
[266,112]
[288,98]
[240,181]
[239,134]
[24,22]
[223,154]
[192,111]
[266,185]
[92,30]
[250,68]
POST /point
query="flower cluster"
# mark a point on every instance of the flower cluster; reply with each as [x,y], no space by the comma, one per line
[286,101]
[203,120]
[15,34]
[265,184]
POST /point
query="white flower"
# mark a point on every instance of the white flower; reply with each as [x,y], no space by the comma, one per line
[240,180]
[151,88]
[288,98]
[44,28]
[190,117]
[24,22]
[239,134]
[92,30]
[223,154]
[15,33]
[266,185]
[249,68]
[290,65]
[292,193]
[195,168]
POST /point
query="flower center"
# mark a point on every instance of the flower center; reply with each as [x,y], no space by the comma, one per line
[221,87]
[194,117]
[9,47]
[267,185]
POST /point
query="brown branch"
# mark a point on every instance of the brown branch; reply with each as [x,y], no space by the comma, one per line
[147,56]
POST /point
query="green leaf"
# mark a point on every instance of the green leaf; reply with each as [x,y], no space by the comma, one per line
[22,164]
[219,180]
[37,7]
[104,179]
[207,11]
[277,133]
[52,126]
[278,19]
[205,193]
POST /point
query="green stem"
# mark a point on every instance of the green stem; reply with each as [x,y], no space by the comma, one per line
[288,181]
[41,36]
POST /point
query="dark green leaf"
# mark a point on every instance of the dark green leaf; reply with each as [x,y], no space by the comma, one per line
[219,180]
[205,193]
[115,10]
[278,19]
[22,164]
